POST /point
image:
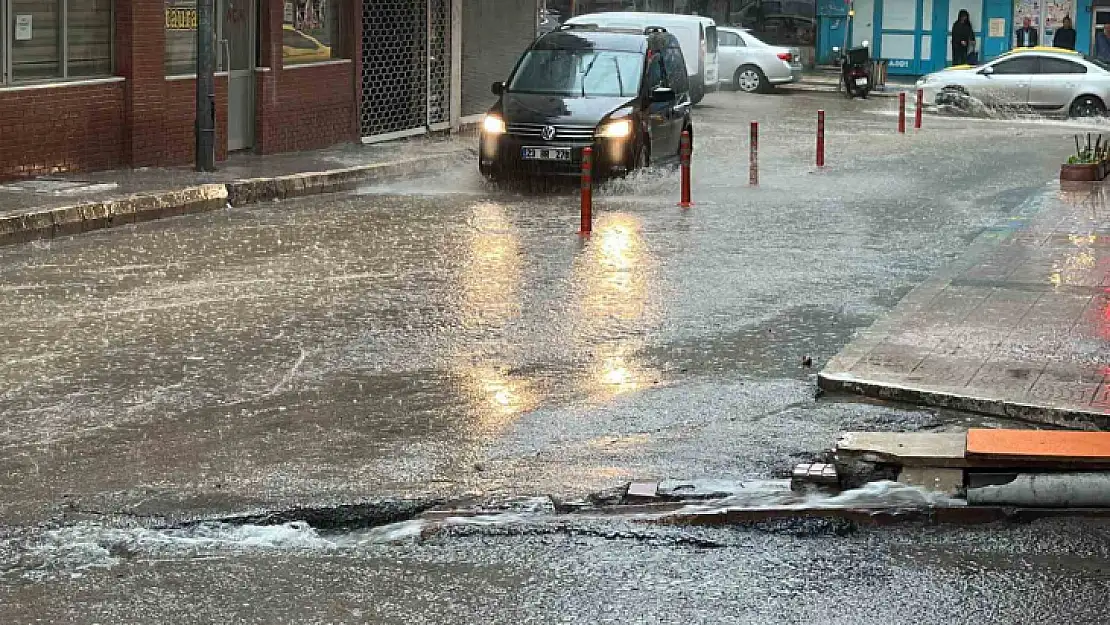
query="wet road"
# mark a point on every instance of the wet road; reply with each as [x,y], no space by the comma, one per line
[439,337]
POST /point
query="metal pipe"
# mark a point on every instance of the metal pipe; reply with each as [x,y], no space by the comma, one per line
[206,86]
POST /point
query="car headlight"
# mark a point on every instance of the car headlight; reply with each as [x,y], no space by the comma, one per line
[493,125]
[619,129]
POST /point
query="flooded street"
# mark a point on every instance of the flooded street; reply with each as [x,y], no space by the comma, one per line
[439,338]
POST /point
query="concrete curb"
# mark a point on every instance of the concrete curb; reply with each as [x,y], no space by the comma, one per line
[79,218]
[875,517]
[1071,419]
[822,87]
[86,217]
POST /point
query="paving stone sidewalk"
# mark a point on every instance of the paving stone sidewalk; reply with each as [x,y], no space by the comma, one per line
[66,204]
[1018,327]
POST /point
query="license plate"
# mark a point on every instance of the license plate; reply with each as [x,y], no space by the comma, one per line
[861,81]
[545,154]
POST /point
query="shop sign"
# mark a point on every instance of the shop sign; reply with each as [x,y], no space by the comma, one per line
[181,18]
[899,63]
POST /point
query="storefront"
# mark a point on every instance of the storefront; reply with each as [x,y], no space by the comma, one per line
[94,84]
[914,35]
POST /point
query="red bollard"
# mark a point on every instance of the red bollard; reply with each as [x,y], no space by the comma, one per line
[687,152]
[587,190]
[920,105]
[902,112]
[820,138]
[753,157]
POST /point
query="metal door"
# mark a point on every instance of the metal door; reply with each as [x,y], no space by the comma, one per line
[863,23]
[406,68]
[238,33]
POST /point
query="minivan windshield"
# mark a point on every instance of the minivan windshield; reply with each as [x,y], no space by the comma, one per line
[579,73]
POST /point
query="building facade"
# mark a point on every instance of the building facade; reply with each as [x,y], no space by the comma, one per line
[94,84]
[914,36]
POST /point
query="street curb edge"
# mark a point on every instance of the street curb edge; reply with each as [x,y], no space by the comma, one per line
[149,206]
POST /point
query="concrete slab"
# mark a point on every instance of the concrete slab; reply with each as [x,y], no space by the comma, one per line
[907,449]
[947,481]
[1016,328]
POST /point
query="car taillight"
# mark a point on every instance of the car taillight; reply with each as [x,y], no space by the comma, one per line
[786,56]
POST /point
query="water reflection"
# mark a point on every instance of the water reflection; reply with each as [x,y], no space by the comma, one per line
[490,277]
[490,292]
[613,283]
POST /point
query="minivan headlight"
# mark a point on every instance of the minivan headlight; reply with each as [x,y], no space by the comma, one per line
[493,125]
[619,129]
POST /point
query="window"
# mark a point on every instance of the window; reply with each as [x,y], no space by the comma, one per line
[711,39]
[181,37]
[655,72]
[676,69]
[1051,65]
[578,72]
[55,39]
[1022,65]
[314,31]
[729,40]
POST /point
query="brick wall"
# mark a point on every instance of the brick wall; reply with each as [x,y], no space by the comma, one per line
[174,140]
[60,129]
[306,108]
[147,120]
[302,108]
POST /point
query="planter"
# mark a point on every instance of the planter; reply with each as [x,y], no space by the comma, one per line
[1082,172]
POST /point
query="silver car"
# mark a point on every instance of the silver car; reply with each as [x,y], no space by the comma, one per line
[753,66]
[1049,80]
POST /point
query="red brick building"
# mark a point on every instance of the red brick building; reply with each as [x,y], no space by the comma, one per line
[94,84]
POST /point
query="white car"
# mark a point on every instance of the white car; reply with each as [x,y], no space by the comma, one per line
[753,66]
[1047,80]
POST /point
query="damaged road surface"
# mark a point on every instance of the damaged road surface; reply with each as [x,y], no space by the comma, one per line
[171,390]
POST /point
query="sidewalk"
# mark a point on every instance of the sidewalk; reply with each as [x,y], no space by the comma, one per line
[828,82]
[1018,327]
[67,204]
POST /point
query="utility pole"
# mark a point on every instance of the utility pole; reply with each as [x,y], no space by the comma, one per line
[206,86]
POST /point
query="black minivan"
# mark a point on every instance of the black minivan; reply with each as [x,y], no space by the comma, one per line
[625,93]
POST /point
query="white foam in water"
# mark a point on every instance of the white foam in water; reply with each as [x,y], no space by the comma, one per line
[883,494]
[84,546]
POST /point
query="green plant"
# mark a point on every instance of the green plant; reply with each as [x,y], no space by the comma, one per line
[1090,154]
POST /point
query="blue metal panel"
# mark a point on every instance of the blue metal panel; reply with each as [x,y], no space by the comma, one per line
[991,47]
[830,33]
[938,56]
[1082,21]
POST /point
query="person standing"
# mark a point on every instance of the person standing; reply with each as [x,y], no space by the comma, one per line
[963,38]
[1102,44]
[1027,36]
[1065,35]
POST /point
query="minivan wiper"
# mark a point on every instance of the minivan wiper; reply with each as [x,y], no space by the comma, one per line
[620,81]
[587,73]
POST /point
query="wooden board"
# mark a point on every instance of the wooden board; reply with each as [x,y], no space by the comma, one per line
[1039,446]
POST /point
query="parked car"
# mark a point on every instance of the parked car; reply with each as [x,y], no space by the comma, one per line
[624,93]
[1049,80]
[302,47]
[696,34]
[753,66]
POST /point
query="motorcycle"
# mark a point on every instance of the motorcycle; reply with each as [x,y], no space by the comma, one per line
[855,71]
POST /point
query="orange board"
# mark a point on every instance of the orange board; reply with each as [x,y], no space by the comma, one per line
[1039,445]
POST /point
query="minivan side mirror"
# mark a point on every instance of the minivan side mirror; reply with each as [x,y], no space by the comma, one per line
[987,71]
[497,88]
[663,94]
